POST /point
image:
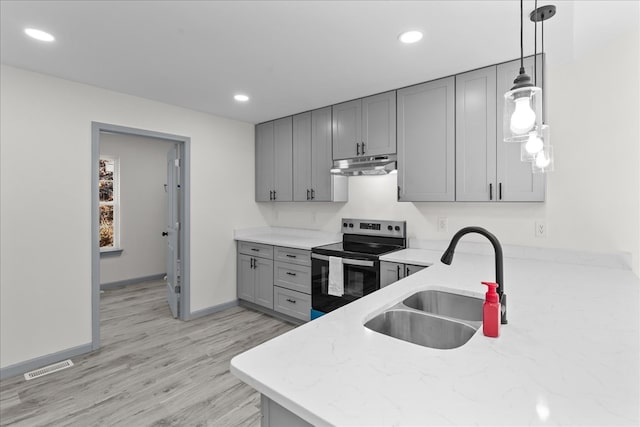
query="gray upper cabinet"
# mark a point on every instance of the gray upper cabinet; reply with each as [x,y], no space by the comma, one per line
[476,135]
[516,182]
[426,142]
[302,157]
[379,124]
[365,127]
[264,162]
[312,154]
[487,168]
[347,129]
[274,161]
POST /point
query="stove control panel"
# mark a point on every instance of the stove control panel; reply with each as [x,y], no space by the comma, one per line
[375,227]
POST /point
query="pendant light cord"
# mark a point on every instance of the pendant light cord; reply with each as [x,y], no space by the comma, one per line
[521,44]
[543,90]
[535,47]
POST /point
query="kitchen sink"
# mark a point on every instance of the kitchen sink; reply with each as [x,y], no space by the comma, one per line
[446,304]
[421,328]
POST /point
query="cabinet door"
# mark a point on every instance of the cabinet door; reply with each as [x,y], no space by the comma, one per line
[409,269]
[516,182]
[390,272]
[426,142]
[246,278]
[264,161]
[379,124]
[264,282]
[321,162]
[347,129]
[302,156]
[283,160]
[476,135]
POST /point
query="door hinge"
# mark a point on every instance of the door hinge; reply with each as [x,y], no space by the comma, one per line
[177,289]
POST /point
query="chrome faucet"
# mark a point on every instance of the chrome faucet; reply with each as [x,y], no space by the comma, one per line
[447,257]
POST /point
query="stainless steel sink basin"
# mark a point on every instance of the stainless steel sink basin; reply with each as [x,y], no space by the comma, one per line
[446,304]
[422,329]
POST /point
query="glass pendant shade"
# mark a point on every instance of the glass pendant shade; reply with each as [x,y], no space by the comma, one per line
[522,113]
[543,161]
[536,141]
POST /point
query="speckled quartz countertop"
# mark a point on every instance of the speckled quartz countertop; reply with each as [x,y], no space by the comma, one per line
[287,237]
[569,355]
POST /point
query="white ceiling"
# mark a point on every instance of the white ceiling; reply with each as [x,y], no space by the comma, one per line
[288,56]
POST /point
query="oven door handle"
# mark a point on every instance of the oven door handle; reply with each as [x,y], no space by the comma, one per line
[345,261]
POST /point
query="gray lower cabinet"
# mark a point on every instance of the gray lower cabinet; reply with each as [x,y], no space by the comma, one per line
[255,273]
[487,168]
[274,415]
[426,142]
[292,282]
[275,277]
[391,272]
[312,180]
[365,127]
[274,161]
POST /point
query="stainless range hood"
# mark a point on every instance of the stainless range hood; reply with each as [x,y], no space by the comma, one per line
[374,165]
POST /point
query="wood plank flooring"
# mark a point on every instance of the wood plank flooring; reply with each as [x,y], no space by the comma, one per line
[151,370]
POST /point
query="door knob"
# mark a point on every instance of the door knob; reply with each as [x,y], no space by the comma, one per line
[164,233]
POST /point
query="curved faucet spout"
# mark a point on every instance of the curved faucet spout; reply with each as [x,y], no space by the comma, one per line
[447,258]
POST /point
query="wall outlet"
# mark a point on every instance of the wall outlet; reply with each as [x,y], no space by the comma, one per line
[443,224]
[541,229]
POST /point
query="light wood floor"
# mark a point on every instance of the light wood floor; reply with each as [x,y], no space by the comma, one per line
[150,370]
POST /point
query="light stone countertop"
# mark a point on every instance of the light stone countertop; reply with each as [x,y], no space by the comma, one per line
[569,355]
[287,237]
[424,257]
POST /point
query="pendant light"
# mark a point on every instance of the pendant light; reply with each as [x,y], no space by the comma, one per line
[541,152]
[522,105]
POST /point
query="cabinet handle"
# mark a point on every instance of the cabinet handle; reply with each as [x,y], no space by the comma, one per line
[398,192]
[362,148]
[500,191]
[307,194]
[357,148]
[398,272]
[292,301]
[490,191]
[291,256]
[408,271]
[313,194]
[250,262]
[290,273]
[274,194]
[270,194]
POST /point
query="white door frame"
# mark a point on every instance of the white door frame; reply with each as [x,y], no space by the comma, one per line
[184,144]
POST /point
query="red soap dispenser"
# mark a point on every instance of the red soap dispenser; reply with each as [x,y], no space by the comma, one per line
[491,311]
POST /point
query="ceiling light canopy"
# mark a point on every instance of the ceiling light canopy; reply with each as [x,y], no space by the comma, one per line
[240,97]
[409,37]
[39,35]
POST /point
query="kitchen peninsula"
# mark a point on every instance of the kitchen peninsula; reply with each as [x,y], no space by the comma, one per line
[569,354]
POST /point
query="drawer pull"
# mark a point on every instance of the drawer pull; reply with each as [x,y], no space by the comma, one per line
[291,256]
[292,301]
[255,250]
[290,273]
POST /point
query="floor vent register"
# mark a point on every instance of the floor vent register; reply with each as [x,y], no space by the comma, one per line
[48,369]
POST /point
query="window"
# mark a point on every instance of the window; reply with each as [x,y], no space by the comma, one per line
[109,197]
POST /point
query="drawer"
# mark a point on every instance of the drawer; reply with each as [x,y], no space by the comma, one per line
[292,303]
[296,256]
[255,249]
[292,276]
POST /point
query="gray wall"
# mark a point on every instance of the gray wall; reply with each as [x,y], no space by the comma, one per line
[142,207]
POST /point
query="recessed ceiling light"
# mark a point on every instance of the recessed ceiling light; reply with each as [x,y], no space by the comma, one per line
[410,36]
[241,98]
[39,35]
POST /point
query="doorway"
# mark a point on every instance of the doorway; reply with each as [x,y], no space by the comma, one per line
[182,199]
